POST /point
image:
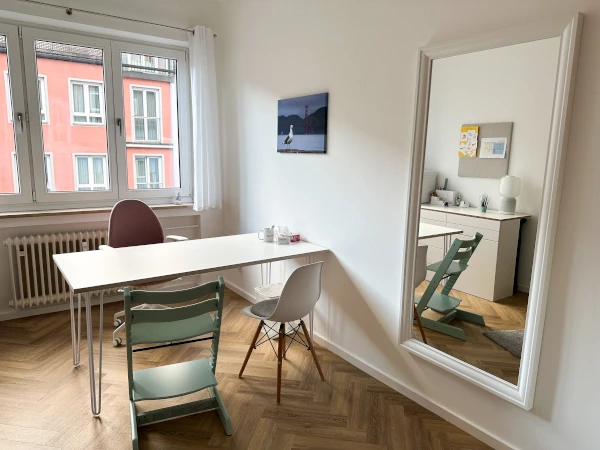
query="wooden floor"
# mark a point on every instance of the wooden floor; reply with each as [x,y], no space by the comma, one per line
[478,350]
[44,401]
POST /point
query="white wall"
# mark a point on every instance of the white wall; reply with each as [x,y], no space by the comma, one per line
[353,198]
[508,84]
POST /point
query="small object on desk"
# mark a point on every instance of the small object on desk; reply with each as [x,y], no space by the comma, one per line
[464,204]
[483,202]
[283,239]
[446,184]
[268,234]
[295,237]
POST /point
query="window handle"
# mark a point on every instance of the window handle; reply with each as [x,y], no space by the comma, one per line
[120,125]
[20,119]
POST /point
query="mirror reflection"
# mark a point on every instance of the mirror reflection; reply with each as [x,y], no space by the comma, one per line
[487,142]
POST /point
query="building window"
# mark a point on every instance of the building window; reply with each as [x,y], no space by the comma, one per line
[42,96]
[91,173]
[15,173]
[86,98]
[148,172]
[146,114]
[49,170]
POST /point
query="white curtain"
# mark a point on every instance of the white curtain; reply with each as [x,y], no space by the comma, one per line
[205,119]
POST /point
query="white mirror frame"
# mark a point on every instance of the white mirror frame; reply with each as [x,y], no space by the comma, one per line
[569,31]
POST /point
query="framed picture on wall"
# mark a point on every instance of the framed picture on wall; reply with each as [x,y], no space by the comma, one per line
[302,124]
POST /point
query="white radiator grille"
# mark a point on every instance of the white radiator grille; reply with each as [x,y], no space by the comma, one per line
[36,281]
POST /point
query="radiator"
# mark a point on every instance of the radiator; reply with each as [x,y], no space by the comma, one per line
[36,281]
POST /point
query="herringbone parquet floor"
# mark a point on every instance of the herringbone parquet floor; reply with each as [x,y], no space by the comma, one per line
[44,401]
[478,350]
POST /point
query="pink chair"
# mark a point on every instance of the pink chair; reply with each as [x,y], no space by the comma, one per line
[133,223]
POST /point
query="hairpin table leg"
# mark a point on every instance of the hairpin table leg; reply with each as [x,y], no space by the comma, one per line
[76,331]
[312,311]
[95,398]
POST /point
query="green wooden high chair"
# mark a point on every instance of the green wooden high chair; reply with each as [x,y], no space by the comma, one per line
[169,327]
[454,263]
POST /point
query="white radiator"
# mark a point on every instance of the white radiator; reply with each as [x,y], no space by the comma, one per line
[36,281]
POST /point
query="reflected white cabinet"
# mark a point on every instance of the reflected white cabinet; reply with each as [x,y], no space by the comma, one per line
[492,267]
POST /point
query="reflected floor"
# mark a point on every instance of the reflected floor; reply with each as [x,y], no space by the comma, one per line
[478,350]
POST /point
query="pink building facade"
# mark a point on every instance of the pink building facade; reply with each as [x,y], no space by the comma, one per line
[73,114]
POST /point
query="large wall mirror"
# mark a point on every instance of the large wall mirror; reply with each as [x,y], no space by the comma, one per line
[491,128]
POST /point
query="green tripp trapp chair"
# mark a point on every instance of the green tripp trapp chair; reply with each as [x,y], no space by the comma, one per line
[169,327]
[454,263]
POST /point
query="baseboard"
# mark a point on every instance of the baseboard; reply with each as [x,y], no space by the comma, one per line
[398,386]
[523,288]
[11,314]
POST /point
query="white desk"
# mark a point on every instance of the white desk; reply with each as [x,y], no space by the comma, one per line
[86,272]
[427,231]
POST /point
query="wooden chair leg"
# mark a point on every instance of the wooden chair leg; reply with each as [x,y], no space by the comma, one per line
[254,339]
[279,360]
[312,349]
[418,319]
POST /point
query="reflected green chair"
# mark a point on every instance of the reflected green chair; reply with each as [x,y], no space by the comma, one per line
[450,268]
[168,327]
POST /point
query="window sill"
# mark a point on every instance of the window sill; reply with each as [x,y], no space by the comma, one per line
[66,212]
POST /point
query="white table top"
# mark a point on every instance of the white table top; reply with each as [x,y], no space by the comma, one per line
[490,214]
[427,231]
[104,269]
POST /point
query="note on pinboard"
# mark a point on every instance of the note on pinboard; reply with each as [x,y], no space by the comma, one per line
[467,146]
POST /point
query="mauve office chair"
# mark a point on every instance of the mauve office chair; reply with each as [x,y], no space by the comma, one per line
[133,223]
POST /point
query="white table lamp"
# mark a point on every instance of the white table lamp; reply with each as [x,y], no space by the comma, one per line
[510,188]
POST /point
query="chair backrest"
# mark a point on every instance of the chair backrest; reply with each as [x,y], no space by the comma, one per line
[300,293]
[176,330]
[133,223]
[461,251]
[420,265]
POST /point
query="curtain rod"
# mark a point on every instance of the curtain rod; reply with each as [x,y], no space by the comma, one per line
[69,12]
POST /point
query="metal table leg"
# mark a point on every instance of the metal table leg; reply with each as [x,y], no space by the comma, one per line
[76,332]
[312,311]
[95,398]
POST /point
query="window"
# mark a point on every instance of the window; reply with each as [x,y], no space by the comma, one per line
[90,173]
[146,114]
[49,171]
[43,98]
[15,173]
[148,172]
[9,106]
[120,125]
[86,98]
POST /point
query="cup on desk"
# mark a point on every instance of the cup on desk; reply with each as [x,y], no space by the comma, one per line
[267,234]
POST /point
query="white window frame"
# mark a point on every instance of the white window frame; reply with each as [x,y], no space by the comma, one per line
[15,91]
[91,185]
[74,198]
[161,169]
[43,96]
[182,138]
[86,101]
[145,90]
